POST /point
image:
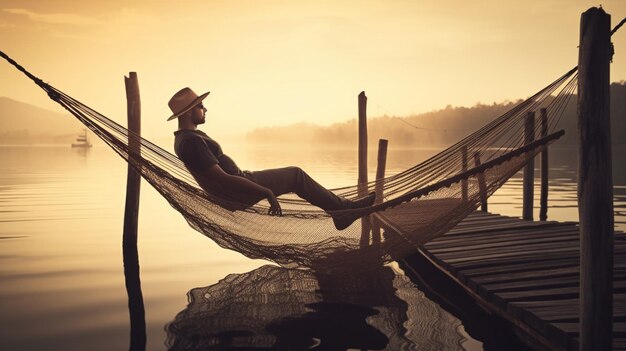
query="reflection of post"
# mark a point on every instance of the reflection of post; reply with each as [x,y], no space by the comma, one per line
[362,187]
[482,186]
[380,184]
[595,183]
[131,213]
[529,170]
[543,200]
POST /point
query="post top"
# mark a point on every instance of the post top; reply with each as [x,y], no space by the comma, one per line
[595,11]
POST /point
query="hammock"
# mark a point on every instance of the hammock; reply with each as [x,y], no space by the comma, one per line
[428,199]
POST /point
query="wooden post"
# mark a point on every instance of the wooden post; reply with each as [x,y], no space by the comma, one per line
[482,186]
[131,213]
[529,170]
[380,169]
[464,169]
[362,144]
[543,200]
[362,181]
[380,175]
[595,182]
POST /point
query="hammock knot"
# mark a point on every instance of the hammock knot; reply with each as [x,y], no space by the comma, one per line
[54,95]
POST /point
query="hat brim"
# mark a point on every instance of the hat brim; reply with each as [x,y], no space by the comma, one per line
[190,106]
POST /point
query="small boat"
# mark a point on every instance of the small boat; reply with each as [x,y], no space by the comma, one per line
[81,140]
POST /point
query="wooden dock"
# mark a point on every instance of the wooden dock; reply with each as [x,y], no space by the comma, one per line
[526,272]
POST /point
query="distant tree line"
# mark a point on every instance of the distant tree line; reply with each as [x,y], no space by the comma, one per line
[432,129]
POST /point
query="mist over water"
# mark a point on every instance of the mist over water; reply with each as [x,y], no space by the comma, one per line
[61,272]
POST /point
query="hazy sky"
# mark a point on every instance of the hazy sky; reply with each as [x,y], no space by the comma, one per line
[280,62]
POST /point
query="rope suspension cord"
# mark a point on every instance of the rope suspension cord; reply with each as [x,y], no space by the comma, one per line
[618,26]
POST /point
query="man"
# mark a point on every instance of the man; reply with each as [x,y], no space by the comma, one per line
[220,176]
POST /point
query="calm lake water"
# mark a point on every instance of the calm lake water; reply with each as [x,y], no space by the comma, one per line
[61,270]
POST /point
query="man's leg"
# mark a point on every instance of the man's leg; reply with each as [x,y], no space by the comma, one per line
[295,180]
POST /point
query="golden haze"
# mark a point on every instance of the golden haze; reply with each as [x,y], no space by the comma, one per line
[281,62]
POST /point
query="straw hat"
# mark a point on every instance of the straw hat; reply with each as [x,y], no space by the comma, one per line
[183,101]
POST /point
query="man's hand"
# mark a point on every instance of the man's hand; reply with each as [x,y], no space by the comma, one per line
[275,209]
[217,174]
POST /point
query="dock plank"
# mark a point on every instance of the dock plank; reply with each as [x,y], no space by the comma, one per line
[502,239]
[527,272]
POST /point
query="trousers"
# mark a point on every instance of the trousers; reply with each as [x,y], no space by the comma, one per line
[295,180]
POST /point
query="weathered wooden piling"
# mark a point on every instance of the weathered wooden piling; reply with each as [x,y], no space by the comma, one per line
[362,181]
[543,199]
[595,182]
[380,185]
[380,168]
[529,170]
[362,99]
[131,214]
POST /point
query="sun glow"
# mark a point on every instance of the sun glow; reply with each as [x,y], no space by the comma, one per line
[281,62]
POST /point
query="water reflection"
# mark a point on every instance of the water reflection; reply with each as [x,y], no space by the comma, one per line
[331,307]
[60,227]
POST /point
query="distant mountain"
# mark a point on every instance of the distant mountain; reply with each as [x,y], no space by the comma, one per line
[22,123]
[432,129]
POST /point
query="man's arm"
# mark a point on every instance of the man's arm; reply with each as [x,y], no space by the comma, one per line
[216,174]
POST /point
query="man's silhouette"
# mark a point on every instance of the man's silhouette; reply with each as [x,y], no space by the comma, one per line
[219,175]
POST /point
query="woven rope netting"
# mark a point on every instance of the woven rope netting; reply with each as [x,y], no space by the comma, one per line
[364,307]
[423,202]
